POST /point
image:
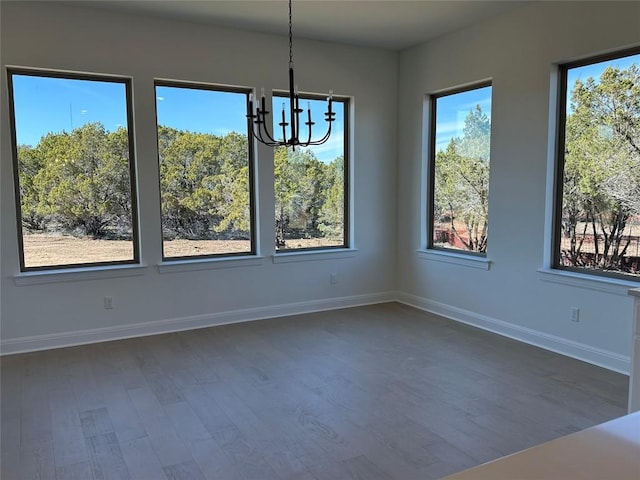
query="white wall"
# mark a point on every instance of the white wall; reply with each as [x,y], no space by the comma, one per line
[517,51]
[70,38]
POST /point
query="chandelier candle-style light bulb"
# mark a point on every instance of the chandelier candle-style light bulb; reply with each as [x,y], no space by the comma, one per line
[259,119]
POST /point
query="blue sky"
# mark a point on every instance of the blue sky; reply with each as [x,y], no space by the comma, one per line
[45,105]
[452,111]
[202,111]
[53,105]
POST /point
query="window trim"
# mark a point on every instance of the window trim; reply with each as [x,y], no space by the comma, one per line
[307,255]
[78,274]
[559,162]
[251,151]
[452,257]
[431,166]
[193,265]
[347,243]
[597,283]
[135,227]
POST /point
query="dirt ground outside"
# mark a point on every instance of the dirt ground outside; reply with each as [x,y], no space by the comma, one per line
[632,230]
[45,250]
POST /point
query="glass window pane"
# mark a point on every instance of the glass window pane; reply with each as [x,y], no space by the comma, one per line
[74,171]
[461,137]
[205,171]
[599,227]
[310,183]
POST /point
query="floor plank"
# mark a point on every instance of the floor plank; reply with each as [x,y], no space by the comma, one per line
[375,392]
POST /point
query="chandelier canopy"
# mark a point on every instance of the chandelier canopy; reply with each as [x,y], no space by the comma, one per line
[291,135]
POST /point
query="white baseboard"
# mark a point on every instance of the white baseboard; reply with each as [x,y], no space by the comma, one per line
[580,351]
[83,337]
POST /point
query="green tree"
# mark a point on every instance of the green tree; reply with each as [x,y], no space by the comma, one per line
[462,182]
[231,189]
[83,181]
[299,194]
[205,184]
[29,165]
[332,212]
[602,166]
[187,160]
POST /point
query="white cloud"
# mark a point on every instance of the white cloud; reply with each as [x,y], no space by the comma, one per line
[485,105]
[451,129]
[330,150]
[221,132]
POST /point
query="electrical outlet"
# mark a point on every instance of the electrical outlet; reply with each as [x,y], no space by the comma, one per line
[333,278]
[574,316]
[108,303]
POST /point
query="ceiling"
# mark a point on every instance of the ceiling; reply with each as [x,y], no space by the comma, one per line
[390,24]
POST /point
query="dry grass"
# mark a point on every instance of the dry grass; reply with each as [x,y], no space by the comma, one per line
[43,250]
[187,248]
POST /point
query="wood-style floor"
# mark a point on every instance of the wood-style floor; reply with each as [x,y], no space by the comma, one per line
[376,392]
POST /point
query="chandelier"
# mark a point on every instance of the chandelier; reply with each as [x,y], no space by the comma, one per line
[290,136]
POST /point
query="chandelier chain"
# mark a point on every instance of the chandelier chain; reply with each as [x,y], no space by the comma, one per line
[290,37]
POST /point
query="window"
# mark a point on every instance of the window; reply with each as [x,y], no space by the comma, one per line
[206,171]
[597,220]
[74,169]
[312,184]
[460,138]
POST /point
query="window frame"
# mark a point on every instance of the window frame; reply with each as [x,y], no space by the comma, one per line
[346,102]
[251,151]
[431,166]
[559,161]
[135,227]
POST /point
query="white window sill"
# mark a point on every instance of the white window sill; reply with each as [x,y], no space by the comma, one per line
[187,265]
[635,292]
[471,261]
[313,255]
[78,274]
[584,280]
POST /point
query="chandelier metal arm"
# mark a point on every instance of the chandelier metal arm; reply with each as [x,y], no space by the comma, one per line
[257,132]
[261,139]
[323,139]
[261,119]
[263,130]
